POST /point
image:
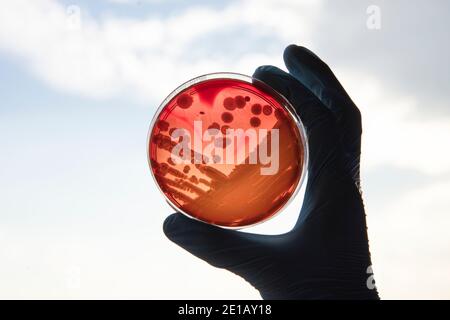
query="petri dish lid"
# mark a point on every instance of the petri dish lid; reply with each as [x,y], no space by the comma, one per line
[227,149]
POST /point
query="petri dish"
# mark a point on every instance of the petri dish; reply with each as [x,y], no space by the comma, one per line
[227,149]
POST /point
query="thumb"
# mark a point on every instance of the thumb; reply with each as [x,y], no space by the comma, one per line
[222,248]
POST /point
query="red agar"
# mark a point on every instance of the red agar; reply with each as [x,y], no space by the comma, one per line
[205,185]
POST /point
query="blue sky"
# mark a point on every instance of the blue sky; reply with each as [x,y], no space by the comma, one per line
[80,215]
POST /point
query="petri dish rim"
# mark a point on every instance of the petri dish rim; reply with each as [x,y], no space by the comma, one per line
[242,77]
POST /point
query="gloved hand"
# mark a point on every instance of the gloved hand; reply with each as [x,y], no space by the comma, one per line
[326,255]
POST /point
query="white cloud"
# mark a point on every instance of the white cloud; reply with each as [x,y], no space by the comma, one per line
[410,244]
[392,133]
[145,58]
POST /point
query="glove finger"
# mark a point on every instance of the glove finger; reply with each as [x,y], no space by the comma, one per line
[222,248]
[321,130]
[307,106]
[315,74]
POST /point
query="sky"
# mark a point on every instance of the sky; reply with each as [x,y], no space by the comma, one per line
[80,215]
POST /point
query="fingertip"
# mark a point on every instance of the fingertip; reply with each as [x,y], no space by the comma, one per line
[305,65]
[169,225]
[266,72]
[178,227]
[293,56]
[289,51]
[274,77]
[307,51]
[294,50]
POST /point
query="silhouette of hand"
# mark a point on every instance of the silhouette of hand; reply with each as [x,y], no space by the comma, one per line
[326,255]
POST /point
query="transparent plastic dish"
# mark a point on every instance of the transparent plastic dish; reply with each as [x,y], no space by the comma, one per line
[227,149]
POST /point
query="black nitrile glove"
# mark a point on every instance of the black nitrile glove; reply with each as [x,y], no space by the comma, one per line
[326,255]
